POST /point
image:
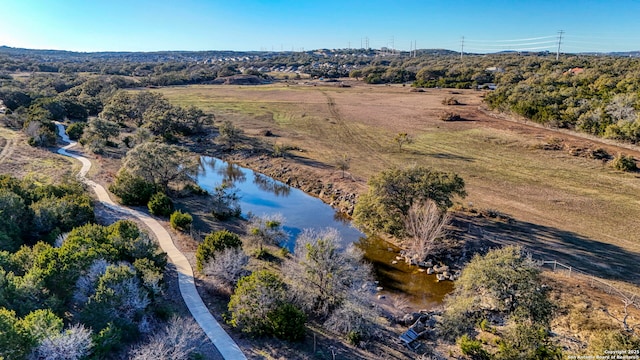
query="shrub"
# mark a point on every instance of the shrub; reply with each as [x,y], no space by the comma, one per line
[450,101]
[472,348]
[448,116]
[75,130]
[180,220]
[132,190]
[160,204]
[258,307]
[287,322]
[214,242]
[624,163]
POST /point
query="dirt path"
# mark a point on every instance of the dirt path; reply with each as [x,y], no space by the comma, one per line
[222,341]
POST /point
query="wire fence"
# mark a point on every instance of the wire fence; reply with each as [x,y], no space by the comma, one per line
[595,282]
[568,270]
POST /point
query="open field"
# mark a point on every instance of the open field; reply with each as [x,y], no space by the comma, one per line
[567,207]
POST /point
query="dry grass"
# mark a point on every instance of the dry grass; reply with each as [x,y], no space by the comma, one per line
[19,159]
[580,204]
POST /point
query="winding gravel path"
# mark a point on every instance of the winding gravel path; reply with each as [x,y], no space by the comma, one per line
[222,341]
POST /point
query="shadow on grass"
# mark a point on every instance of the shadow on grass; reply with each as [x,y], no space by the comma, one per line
[595,257]
[450,157]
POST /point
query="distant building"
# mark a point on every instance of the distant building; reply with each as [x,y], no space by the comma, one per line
[574,71]
[494,69]
[485,86]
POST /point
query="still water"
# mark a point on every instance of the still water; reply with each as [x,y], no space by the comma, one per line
[261,195]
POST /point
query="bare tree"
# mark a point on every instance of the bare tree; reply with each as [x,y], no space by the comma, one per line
[322,274]
[227,267]
[355,317]
[176,341]
[627,301]
[424,224]
[343,164]
[622,108]
[86,284]
[71,344]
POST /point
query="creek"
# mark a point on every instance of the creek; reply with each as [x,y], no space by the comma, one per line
[261,195]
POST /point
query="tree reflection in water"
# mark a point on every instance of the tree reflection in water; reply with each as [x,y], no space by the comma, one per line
[266,183]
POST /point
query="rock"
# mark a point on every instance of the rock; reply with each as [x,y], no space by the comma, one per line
[447,274]
[381,297]
[394,262]
[399,258]
[430,271]
[440,277]
[378,288]
[408,319]
[421,270]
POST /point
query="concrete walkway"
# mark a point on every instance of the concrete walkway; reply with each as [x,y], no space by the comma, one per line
[222,341]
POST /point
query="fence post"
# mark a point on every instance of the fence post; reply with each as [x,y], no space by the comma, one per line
[554,265]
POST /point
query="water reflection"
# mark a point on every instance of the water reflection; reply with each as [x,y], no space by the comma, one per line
[262,195]
[230,173]
[422,290]
[266,183]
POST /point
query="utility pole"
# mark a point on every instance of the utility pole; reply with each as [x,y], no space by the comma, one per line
[461,47]
[560,33]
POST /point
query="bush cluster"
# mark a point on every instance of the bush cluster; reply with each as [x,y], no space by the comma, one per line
[160,204]
[213,243]
[180,220]
[132,190]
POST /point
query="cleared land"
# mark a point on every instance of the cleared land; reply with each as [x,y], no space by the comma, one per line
[564,207]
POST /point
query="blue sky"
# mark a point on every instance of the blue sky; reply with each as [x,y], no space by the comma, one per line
[152,25]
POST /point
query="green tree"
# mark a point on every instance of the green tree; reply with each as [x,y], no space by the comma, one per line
[13,213]
[160,164]
[14,343]
[98,128]
[132,190]
[75,130]
[392,193]
[504,281]
[259,307]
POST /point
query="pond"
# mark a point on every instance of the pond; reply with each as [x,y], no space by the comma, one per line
[261,195]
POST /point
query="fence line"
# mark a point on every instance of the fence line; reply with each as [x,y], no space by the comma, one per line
[595,282]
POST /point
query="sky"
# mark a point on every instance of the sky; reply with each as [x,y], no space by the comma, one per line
[284,25]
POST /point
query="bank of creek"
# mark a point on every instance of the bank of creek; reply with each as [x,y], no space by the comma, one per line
[260,194]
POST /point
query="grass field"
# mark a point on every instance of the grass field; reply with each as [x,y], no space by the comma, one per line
[563,206]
